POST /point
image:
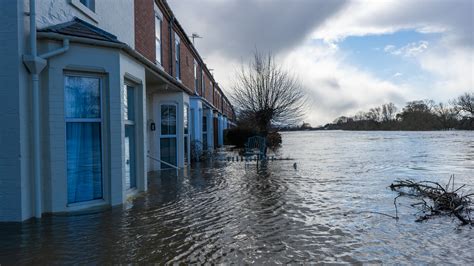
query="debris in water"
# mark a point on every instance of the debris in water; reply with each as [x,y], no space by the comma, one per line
[436,200]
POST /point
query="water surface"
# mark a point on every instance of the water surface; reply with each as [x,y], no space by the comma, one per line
[229,212]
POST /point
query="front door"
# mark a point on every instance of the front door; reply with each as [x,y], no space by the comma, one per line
[216,132]
[168,134]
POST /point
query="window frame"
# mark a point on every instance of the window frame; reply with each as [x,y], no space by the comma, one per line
[90,4]
[204,132]
[186,135]
[177,56]
[159,19]
[196,81]
[103,136]
[85,10]
[175,135]
[132,123]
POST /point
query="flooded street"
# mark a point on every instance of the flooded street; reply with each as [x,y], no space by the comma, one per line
[228,212]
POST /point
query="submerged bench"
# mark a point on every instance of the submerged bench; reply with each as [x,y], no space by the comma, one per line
[255,146]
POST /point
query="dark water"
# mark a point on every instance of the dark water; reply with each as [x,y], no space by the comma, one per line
[226,212]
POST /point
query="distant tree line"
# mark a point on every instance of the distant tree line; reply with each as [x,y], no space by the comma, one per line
[416,115]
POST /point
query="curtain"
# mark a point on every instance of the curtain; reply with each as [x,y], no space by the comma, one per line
[84,161]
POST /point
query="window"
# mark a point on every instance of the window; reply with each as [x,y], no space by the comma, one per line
[177,42]
[89,4]
[83,138]
[158,23]
[212,90]
[168,135]
[203,85]
[129,141]
[186,132]
[196,82]
[204,132]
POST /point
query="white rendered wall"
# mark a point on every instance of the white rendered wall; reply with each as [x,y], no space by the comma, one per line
[114,16]
[16,181]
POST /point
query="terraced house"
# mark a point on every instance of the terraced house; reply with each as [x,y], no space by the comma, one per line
[96,94]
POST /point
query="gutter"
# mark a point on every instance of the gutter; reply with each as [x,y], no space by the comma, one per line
[124,47]
[133,53]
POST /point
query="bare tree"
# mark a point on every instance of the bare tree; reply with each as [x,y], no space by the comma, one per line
[374,114]
[388,111]
[445,115]
[465,104]
[266,94]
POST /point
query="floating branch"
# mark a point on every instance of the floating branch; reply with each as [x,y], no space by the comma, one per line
[436,200]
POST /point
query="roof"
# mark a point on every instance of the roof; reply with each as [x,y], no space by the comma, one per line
[80,28]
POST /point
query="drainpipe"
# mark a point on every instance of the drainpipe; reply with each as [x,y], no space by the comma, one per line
[35,65]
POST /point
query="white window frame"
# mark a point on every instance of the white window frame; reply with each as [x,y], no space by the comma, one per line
[196,82]
[177,56]
[186,111]
[158,39]
[176,135]
[128,122]
[103,147]
[85,10]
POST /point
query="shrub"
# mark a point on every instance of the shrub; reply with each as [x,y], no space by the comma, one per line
[237,136]
[274,140]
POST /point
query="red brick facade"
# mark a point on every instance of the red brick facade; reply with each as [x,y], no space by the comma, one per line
[145,28]
[145,44]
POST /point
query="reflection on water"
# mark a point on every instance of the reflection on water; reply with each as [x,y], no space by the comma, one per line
[226,212]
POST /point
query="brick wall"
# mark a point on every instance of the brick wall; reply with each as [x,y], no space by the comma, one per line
[145,28]
[209,88]
[145,44]
[187,67]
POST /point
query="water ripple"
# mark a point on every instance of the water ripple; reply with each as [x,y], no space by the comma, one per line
[229,212]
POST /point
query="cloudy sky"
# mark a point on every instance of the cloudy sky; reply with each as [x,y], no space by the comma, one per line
[349,55]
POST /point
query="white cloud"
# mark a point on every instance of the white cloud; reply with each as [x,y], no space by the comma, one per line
[336,87]
[396,75]
[361,18]
[389,48]
[409,50]
[232,29]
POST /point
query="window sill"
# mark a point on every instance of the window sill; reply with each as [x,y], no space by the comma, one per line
[89,13]
[79,206]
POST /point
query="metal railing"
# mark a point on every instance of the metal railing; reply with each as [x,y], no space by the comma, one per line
[163,162]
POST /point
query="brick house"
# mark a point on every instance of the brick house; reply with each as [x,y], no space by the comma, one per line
[103,94]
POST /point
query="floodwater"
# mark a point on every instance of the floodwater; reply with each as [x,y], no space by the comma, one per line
[229,212]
